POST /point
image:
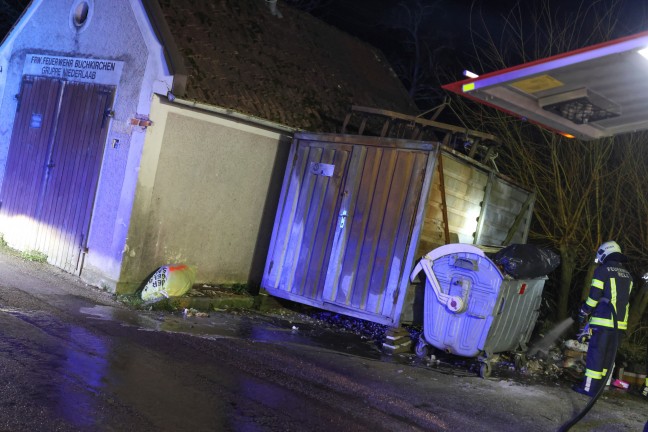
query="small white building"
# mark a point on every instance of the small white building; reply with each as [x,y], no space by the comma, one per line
[138,133]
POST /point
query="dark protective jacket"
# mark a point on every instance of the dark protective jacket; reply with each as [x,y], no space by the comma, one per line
[612,281]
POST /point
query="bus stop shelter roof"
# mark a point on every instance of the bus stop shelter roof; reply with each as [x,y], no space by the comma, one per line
[589,93]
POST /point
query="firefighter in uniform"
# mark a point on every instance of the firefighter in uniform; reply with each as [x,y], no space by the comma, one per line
[644,390]
[611,287]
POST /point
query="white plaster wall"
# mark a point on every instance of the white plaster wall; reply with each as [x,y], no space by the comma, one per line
[206,196]
[116,30]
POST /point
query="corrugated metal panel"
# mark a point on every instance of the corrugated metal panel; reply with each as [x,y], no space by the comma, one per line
[519,307]
[381,221]
[52,171]
[345,242]
[302,236]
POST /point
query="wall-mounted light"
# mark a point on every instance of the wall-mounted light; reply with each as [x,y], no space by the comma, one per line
[469,74]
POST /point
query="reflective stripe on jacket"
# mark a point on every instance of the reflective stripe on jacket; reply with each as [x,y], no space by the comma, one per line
[613,282]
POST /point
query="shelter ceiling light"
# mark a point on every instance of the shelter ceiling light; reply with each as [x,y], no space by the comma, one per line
[644,53]
[580,106]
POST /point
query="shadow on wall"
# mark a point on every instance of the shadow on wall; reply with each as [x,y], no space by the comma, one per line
[268,218]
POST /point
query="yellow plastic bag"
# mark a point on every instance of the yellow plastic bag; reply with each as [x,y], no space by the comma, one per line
[169,281]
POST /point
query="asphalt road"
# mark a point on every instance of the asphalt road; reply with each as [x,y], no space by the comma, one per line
[71,358]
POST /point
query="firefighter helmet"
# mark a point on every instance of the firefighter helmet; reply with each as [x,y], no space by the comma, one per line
[606,249]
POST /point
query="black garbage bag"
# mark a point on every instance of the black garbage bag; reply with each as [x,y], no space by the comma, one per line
[523,261]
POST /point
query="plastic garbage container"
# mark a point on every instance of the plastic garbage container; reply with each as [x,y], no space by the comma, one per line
[471,309]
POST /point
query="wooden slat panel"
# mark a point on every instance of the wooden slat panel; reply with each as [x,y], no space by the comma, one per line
[71,184]
[73,144]
[52,171]
[82,188]
[106,95]
[54,197]
[464,187]
[434,226]
[26,161]
[505,203]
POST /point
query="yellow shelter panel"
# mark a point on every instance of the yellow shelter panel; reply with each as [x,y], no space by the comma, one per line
[537,84]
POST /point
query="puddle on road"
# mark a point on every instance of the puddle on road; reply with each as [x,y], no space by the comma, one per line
[263,328]
[258,328]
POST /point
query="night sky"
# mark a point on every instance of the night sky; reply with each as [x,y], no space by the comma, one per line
[450,28]
[451,21]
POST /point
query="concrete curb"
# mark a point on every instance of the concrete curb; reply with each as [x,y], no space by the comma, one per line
[227,300]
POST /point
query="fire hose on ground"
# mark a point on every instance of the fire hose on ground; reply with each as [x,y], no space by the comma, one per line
[568,425]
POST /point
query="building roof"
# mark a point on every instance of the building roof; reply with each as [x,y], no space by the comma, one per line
[292,69]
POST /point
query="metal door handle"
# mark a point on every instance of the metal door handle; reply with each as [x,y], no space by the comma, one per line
[343,217]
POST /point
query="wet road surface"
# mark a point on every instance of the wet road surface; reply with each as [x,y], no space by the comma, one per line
[73,359]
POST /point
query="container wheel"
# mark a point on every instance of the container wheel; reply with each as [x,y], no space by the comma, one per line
[485,370]
[520,361]
[422,350]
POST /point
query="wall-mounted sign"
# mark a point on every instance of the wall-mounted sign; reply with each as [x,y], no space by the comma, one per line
[322,169]
[81,69]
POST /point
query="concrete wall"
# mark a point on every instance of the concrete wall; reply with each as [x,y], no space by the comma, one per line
[206,195]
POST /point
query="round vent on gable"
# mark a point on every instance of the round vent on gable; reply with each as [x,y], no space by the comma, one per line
[80,14]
